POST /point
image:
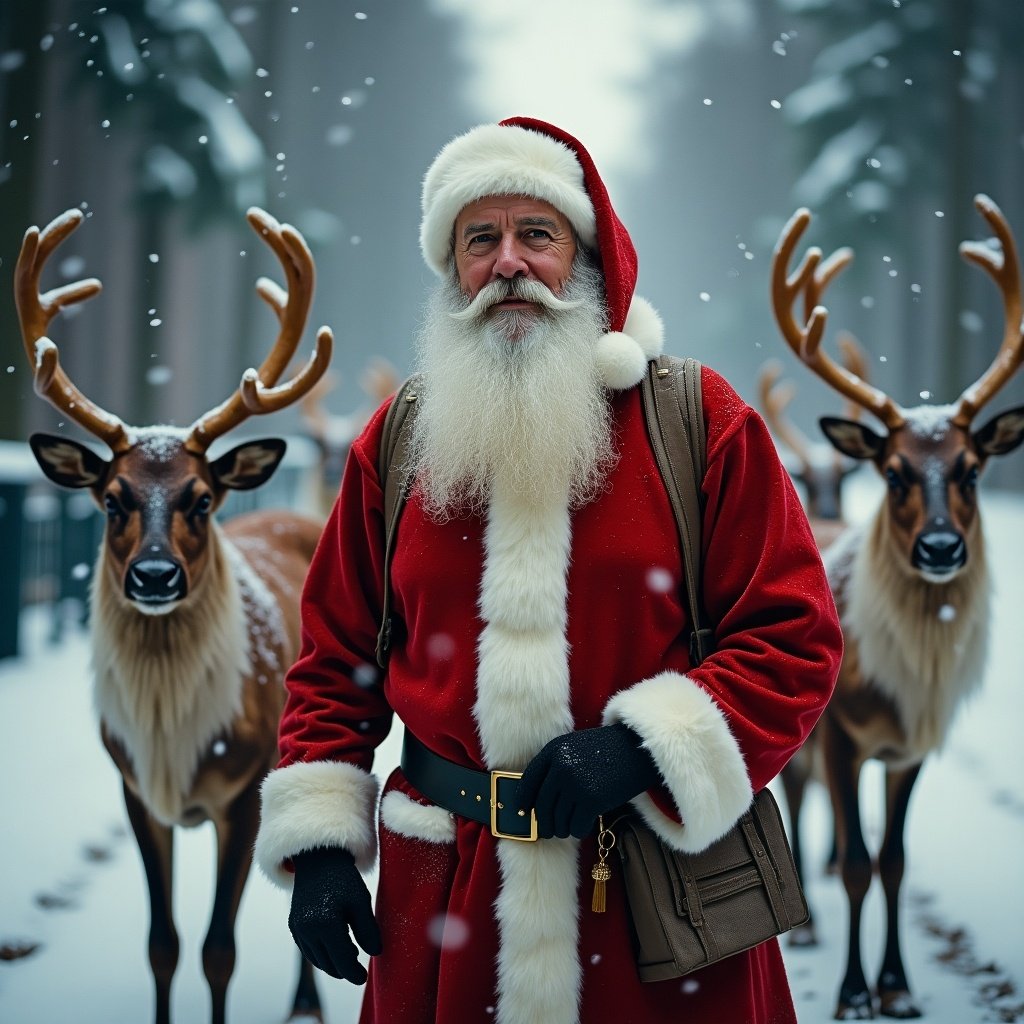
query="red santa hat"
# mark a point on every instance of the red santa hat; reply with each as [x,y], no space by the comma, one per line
[523,156]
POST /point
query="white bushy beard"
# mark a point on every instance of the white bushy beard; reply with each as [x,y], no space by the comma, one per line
[513,398]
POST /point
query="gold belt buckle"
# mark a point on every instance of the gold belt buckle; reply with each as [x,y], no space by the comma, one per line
[532,837]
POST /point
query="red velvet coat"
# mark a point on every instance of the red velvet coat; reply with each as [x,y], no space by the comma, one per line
[519,627]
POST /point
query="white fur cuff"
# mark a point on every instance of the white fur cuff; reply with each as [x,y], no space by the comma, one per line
[403,815]
[319,803]
[697,755]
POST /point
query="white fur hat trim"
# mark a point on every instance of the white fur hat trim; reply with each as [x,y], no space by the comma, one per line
[496,160]
[622,356]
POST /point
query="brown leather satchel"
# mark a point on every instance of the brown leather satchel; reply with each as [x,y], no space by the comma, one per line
[689,910]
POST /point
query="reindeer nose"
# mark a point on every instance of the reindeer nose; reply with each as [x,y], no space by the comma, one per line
[154,581]
[940,551]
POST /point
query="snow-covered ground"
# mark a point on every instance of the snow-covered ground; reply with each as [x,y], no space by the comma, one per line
[71,880]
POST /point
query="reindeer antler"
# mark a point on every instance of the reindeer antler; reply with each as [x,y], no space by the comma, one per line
[314,415]
[775,397]
[256,392]
[1005,271]
[36,310]
[856,362]
[379,379]
[811,278]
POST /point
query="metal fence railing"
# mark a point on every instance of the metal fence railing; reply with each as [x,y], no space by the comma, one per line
[49,536]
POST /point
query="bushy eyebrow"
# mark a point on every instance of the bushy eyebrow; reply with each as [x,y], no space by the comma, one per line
[475,229]
[537,222]
[529,222]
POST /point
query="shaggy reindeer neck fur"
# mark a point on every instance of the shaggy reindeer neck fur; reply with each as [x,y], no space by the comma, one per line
[167,685]
[922,644]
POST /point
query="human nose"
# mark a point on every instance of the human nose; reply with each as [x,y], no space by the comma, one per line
[508,260]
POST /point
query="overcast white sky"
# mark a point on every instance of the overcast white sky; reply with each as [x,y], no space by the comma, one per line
[586,65]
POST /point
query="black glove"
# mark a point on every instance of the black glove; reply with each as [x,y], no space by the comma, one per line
[329,897]
[583,774]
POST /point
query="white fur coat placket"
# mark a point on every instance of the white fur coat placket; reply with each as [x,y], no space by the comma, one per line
[523,702]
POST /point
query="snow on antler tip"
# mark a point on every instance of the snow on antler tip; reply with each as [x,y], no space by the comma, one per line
[69,218]
[42,346]
[989,251]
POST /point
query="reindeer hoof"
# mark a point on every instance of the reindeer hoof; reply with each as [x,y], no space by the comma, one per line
[855,1006]
[306,1017]
[899,1004]
[803,936]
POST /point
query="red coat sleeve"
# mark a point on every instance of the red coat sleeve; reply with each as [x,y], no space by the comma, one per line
[336,709]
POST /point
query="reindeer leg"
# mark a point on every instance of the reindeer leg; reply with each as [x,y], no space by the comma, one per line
[236,832]
[794,785]
[156,845]
[306,1004]
[893,989]
[843,766]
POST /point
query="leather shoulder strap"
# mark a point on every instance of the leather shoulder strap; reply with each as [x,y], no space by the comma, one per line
[394,477]
[674,412]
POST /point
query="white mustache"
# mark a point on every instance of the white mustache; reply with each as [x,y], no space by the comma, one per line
[516,288]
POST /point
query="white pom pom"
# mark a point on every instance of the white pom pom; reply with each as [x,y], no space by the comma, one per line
[643,322]
[620,360]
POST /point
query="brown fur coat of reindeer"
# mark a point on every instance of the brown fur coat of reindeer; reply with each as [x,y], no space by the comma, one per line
[912,587]
[193,623]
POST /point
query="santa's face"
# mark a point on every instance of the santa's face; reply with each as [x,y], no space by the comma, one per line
[502,238]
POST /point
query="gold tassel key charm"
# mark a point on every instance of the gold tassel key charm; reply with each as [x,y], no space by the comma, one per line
[600,872]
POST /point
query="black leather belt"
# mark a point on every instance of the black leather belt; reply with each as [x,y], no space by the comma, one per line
[491,798]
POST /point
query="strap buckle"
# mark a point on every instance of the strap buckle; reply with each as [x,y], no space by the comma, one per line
[495,806]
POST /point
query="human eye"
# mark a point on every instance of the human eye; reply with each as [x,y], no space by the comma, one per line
[479,240]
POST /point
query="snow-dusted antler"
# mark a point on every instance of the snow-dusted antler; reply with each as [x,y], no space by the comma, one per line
[811,278]
[1005,270]
[257,394]
[35,312]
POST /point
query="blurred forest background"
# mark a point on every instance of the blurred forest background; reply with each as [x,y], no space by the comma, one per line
[711,120]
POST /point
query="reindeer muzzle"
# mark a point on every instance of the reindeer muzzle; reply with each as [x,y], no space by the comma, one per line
[155,581]
[939,552]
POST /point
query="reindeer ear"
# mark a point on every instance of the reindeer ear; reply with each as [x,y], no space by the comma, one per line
[1002,433]
[67,462]
[248,465]
[851,438]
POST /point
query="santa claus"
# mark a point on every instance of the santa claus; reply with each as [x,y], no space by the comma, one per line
[540,628]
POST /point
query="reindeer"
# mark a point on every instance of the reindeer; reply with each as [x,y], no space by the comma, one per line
[912,586]
[193,623]
[820,469]
[333,434]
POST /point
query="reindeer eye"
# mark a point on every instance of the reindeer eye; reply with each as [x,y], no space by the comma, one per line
[969,484]
[113,509]
[203,506]
[897,485]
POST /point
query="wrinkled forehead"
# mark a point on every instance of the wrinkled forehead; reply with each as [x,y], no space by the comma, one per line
[495,210]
